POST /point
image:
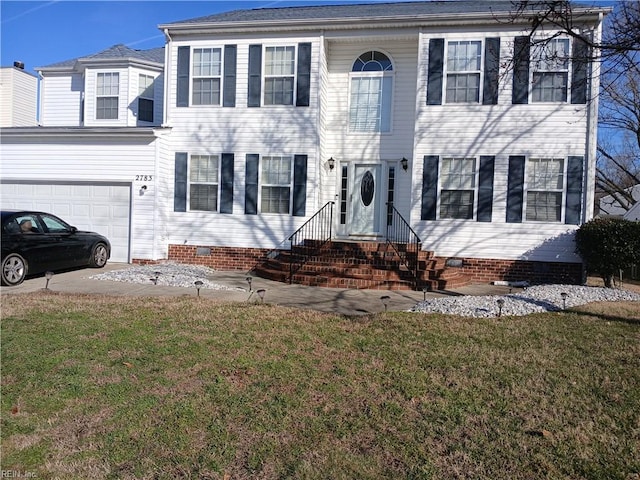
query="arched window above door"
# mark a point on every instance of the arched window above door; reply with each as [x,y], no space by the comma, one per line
[371,93]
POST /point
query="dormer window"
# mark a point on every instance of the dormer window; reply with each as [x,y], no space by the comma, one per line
[107,91]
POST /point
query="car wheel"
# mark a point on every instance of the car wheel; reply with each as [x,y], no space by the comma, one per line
[99,256]
[14,270]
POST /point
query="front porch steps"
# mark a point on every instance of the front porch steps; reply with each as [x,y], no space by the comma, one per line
[360,265]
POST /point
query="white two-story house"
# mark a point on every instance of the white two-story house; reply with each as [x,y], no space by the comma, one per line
[446,117]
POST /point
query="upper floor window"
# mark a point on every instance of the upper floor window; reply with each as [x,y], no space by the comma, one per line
[107,91]
[545,185]
[207,76]
[458,187]
[464,60]
[371,93]
[145,98]
[550,65]
[279,75]
[203,182]
[276,179]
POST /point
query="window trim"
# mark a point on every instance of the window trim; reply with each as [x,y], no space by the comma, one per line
[264,75]
[216,183]
[193,77]
[534,69]
[446,72]
[441,174]
[261,184]
[372,74]
[99,96]
[527,189]
[141,96]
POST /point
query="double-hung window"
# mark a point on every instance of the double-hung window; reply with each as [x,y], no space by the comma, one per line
[464,60]
[458,187]
[550,62]
[203,182]
[207,76]
[279,75]
[276,179]
[371,92]
[107,92]
[545,185]
[145,98]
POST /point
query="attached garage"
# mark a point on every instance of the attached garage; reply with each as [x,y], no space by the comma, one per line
[99,207]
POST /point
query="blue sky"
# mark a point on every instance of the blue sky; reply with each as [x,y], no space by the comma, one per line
[41,33]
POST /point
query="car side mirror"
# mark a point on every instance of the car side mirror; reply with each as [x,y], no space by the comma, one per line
[73,230]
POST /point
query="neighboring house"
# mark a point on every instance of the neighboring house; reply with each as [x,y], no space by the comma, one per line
[18,97]
[484,143]
[618,206]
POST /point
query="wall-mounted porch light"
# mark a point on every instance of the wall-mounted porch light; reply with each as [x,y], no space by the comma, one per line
[332,163]
[405,163]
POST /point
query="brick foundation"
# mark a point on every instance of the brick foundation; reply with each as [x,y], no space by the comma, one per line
[473,270]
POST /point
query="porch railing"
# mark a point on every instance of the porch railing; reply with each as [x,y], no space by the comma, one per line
[404,240]
[310,238]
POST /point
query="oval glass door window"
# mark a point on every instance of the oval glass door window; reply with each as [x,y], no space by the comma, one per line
[367,187]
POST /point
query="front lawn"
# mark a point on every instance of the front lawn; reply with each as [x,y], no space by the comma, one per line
[104,387]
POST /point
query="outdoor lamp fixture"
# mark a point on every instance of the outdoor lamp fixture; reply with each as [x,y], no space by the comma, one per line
[155,279]
[198,284]
[564,299]
[405,163]
[332,163]
[385,301]
[500,303]
[424,293]
[249,280]
[261,293]
[48,275]
[143,189]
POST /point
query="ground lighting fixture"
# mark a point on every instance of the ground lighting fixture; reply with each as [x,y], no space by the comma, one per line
[249,280]
[385,301]
[198,284]
[48,275]
[500,303]
[261,293]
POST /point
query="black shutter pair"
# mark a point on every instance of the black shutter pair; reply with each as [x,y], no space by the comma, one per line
[303,75]
[515,190]
[521,57]
[229,76]
[436,66]
[299,185]
[181,183]
[430,188]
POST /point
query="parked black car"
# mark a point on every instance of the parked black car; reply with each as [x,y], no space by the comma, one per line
[36,242]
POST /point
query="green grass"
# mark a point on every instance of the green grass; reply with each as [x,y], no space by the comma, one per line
[100,387]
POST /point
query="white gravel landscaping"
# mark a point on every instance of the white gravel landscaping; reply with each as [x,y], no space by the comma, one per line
[540,298]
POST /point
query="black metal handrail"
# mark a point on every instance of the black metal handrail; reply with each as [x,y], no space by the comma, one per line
[404,240]
[310,237]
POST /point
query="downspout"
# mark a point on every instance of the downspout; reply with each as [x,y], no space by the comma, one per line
[39,99]
[167,77]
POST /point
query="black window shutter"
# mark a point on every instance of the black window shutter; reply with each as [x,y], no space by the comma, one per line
[579,64]
[521,51]
[515,189]
[573,210]
[485,188]
[182,85]
[304,75]
[226,182]
[436,64]
[491,71]
[429,187]
[299,185]
[251,184]
[180,183]
[229,93]
[255,75]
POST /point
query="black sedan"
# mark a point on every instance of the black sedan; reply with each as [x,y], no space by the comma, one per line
[36,242]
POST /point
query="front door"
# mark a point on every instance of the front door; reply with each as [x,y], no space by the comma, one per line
[365,199]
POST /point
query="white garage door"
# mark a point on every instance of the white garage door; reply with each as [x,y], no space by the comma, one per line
[103,208]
